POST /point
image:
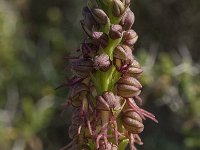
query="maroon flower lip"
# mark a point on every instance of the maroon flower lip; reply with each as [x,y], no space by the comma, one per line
[105,82]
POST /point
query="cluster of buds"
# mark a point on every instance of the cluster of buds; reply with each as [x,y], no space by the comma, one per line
[104,89]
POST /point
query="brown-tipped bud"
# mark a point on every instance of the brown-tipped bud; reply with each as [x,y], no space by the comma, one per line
[118,8]
[115,32]
[108,101]
[90,22]
[100,38]
[134,70]
[123,52]
[82,67]
[127,20]
[128,87]
[102,62]
[77,94]
[87,30]
[100,16]
[132,122]
[89,50]
[130,37]
[73,131]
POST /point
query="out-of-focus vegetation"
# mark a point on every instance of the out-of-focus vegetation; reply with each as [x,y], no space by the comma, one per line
[36,35]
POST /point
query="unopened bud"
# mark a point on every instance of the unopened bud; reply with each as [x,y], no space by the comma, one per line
[130,37]
[100,16]
[128,87]
[123,52]
[73,131]
[127,20]
[87,30]
[132,122]
[89,50]
[115,32]
[82,67]
[118,8]
[77,94]
[101,38]
[102,62]
[108,101]
[134,70]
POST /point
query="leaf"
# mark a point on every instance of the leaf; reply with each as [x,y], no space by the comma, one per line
[123,144]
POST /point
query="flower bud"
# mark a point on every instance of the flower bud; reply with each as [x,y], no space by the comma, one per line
[115,32]
[132,122]
[127,20]
[90,22]
[89,50]
[128,87]
[77,94]
[73,131]
[101,38]
[130,37]
[87,30]
[100,16]
[122,56]
[102,62]
[118,8]
[134,70]
[108,101]
[123,52]
[82,67]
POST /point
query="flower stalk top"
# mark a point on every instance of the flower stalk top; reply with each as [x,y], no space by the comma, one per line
[104,89]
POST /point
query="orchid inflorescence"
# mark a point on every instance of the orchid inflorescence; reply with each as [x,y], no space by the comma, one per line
[104,89]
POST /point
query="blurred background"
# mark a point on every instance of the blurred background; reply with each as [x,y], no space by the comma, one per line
[35,35]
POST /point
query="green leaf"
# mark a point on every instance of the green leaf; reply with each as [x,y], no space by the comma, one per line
[123,144]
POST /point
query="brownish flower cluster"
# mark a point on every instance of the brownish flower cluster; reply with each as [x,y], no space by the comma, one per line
[104,88]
